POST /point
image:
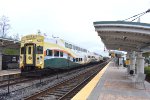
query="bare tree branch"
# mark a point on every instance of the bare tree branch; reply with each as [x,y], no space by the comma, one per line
[4,26]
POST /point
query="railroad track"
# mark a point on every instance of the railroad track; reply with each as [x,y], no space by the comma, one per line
[66,89]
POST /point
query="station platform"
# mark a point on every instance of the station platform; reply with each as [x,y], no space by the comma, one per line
[9,72]
[13,73]
[111,83]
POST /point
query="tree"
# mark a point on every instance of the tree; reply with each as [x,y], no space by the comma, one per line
[4,26]
[16,37]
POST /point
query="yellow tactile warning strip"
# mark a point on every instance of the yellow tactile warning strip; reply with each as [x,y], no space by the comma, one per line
[85,92]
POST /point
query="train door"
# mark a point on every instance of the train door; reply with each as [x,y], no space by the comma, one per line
[29,54]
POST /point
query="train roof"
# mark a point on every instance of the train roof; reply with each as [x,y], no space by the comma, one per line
[55,38]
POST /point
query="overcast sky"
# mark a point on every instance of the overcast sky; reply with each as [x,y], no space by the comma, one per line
[71,20]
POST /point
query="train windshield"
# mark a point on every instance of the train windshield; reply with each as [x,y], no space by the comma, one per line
[29,50]
[39,49]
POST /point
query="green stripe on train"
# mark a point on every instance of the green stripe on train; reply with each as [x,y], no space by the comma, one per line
[59,63]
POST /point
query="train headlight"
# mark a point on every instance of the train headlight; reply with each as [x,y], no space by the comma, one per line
[41,63]
[21,62]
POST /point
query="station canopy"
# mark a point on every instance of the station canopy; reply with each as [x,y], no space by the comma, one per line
[9,43]
[124,36]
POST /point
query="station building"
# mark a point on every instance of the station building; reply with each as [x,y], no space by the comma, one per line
[7,43]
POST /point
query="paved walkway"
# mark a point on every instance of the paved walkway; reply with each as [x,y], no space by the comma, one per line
[114,85]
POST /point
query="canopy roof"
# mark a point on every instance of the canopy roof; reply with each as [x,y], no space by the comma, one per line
[9,43]
[125,36]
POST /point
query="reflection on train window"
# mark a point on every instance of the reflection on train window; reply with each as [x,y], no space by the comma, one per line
[29,50]
[22,50]
[49,52]
[61,54]
[56,53]
[39,49]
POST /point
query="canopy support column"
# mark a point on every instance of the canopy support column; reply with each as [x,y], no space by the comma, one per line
[132,61]
[140,63]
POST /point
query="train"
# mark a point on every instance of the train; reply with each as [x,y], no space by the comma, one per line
[38,52]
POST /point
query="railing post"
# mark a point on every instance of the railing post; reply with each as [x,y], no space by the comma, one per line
[8,83]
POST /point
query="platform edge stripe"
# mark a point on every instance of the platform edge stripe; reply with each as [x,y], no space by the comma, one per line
[85,92]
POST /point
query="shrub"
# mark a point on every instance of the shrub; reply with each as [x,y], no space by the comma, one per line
[147,71]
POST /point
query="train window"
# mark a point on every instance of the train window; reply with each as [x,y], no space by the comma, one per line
[29,50]
[76,59]
[70,46]
[74,47]
[79,49]
[39,49]
[50,52]
[61,54]
[81,59]
[85,50]
[56,53]
[66,45]
[22,50]
[89,57]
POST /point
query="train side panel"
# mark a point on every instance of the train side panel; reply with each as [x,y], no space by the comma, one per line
[56,56]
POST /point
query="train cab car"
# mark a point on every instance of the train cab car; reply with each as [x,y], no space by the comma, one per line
[31,53]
